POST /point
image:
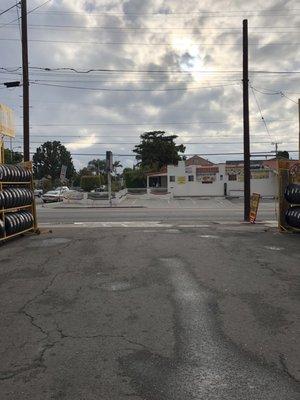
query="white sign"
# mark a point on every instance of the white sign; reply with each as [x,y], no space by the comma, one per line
[63,173]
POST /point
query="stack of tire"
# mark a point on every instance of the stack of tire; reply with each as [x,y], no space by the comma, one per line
[292,195]
[14,173]
[15,197]
[17,222]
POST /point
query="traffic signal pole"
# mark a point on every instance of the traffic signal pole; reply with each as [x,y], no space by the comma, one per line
[26,143]
[246,123]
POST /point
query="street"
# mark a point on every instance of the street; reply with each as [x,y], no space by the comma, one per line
[138,208]
[159,307]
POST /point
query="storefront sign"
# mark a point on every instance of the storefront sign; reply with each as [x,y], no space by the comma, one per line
[181,180]
[7,127]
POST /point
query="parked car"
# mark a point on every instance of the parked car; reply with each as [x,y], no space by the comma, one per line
[102,188]
[52,196]
[38,192]
[62,189]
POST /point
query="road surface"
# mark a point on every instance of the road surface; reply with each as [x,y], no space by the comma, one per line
[153,312]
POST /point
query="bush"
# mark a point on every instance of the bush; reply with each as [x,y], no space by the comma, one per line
[135,178]
[88,183]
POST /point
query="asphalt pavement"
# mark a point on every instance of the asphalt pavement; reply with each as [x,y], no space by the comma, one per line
[165,312]
[185,210]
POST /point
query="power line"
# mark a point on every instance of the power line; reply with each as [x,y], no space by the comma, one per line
[288,29]
[154,71]
[148,123]
[147,44]
[131,90]
[29,12]
[8,9]
[260,111]
[168,13]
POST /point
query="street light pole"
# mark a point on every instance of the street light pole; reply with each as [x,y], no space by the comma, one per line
[26,144]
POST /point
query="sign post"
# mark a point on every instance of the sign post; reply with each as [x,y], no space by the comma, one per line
[63,173]
[109,168]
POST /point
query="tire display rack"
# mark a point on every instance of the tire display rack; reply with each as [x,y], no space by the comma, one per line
[17,203]
[289,195]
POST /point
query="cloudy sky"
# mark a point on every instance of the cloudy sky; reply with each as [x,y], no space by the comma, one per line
[154,65]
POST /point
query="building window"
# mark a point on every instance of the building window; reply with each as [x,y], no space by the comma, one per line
[172,178]
[191,178]
[232,177]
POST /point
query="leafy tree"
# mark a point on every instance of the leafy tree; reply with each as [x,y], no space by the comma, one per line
[12,157]
[117,164]
[156,150]
[283,154]
[98,166]
[49,158]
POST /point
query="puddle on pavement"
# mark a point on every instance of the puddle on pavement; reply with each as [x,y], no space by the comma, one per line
[116,286]
[48,242]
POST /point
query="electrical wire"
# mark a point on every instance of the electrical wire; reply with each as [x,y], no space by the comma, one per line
[147,44]
[8,9]
[29,12]
[131,90]
[261,114]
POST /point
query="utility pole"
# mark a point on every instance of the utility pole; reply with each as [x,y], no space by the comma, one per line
[109,167]
[247,175]
[299,124]
[276,147]
[26,144]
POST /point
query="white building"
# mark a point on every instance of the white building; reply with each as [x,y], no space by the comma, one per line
[199,177]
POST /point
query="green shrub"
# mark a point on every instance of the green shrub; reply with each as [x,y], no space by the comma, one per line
[88,183]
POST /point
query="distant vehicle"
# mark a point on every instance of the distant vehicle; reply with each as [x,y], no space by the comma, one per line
[102,188]
[52,196]
[38,192]
[62,189]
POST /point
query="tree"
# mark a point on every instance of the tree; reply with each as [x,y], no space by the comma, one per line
[49,158]
[98,166]
[12,157]
[283,154]
[117,164]
[156,150]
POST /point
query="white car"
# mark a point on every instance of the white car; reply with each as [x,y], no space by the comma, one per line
[62,189]
[52,196]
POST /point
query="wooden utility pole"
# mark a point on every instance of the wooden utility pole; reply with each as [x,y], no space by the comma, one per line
[247,175]
[26,143]
[299,124]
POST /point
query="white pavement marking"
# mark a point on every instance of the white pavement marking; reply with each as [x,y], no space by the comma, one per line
[128,224]
[274,248]
[209,236]
[193,226]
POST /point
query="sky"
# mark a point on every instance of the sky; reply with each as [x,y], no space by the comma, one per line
[103,72]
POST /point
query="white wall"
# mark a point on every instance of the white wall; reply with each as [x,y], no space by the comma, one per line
[265,187]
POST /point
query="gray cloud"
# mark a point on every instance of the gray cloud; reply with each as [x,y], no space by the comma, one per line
[213,43]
